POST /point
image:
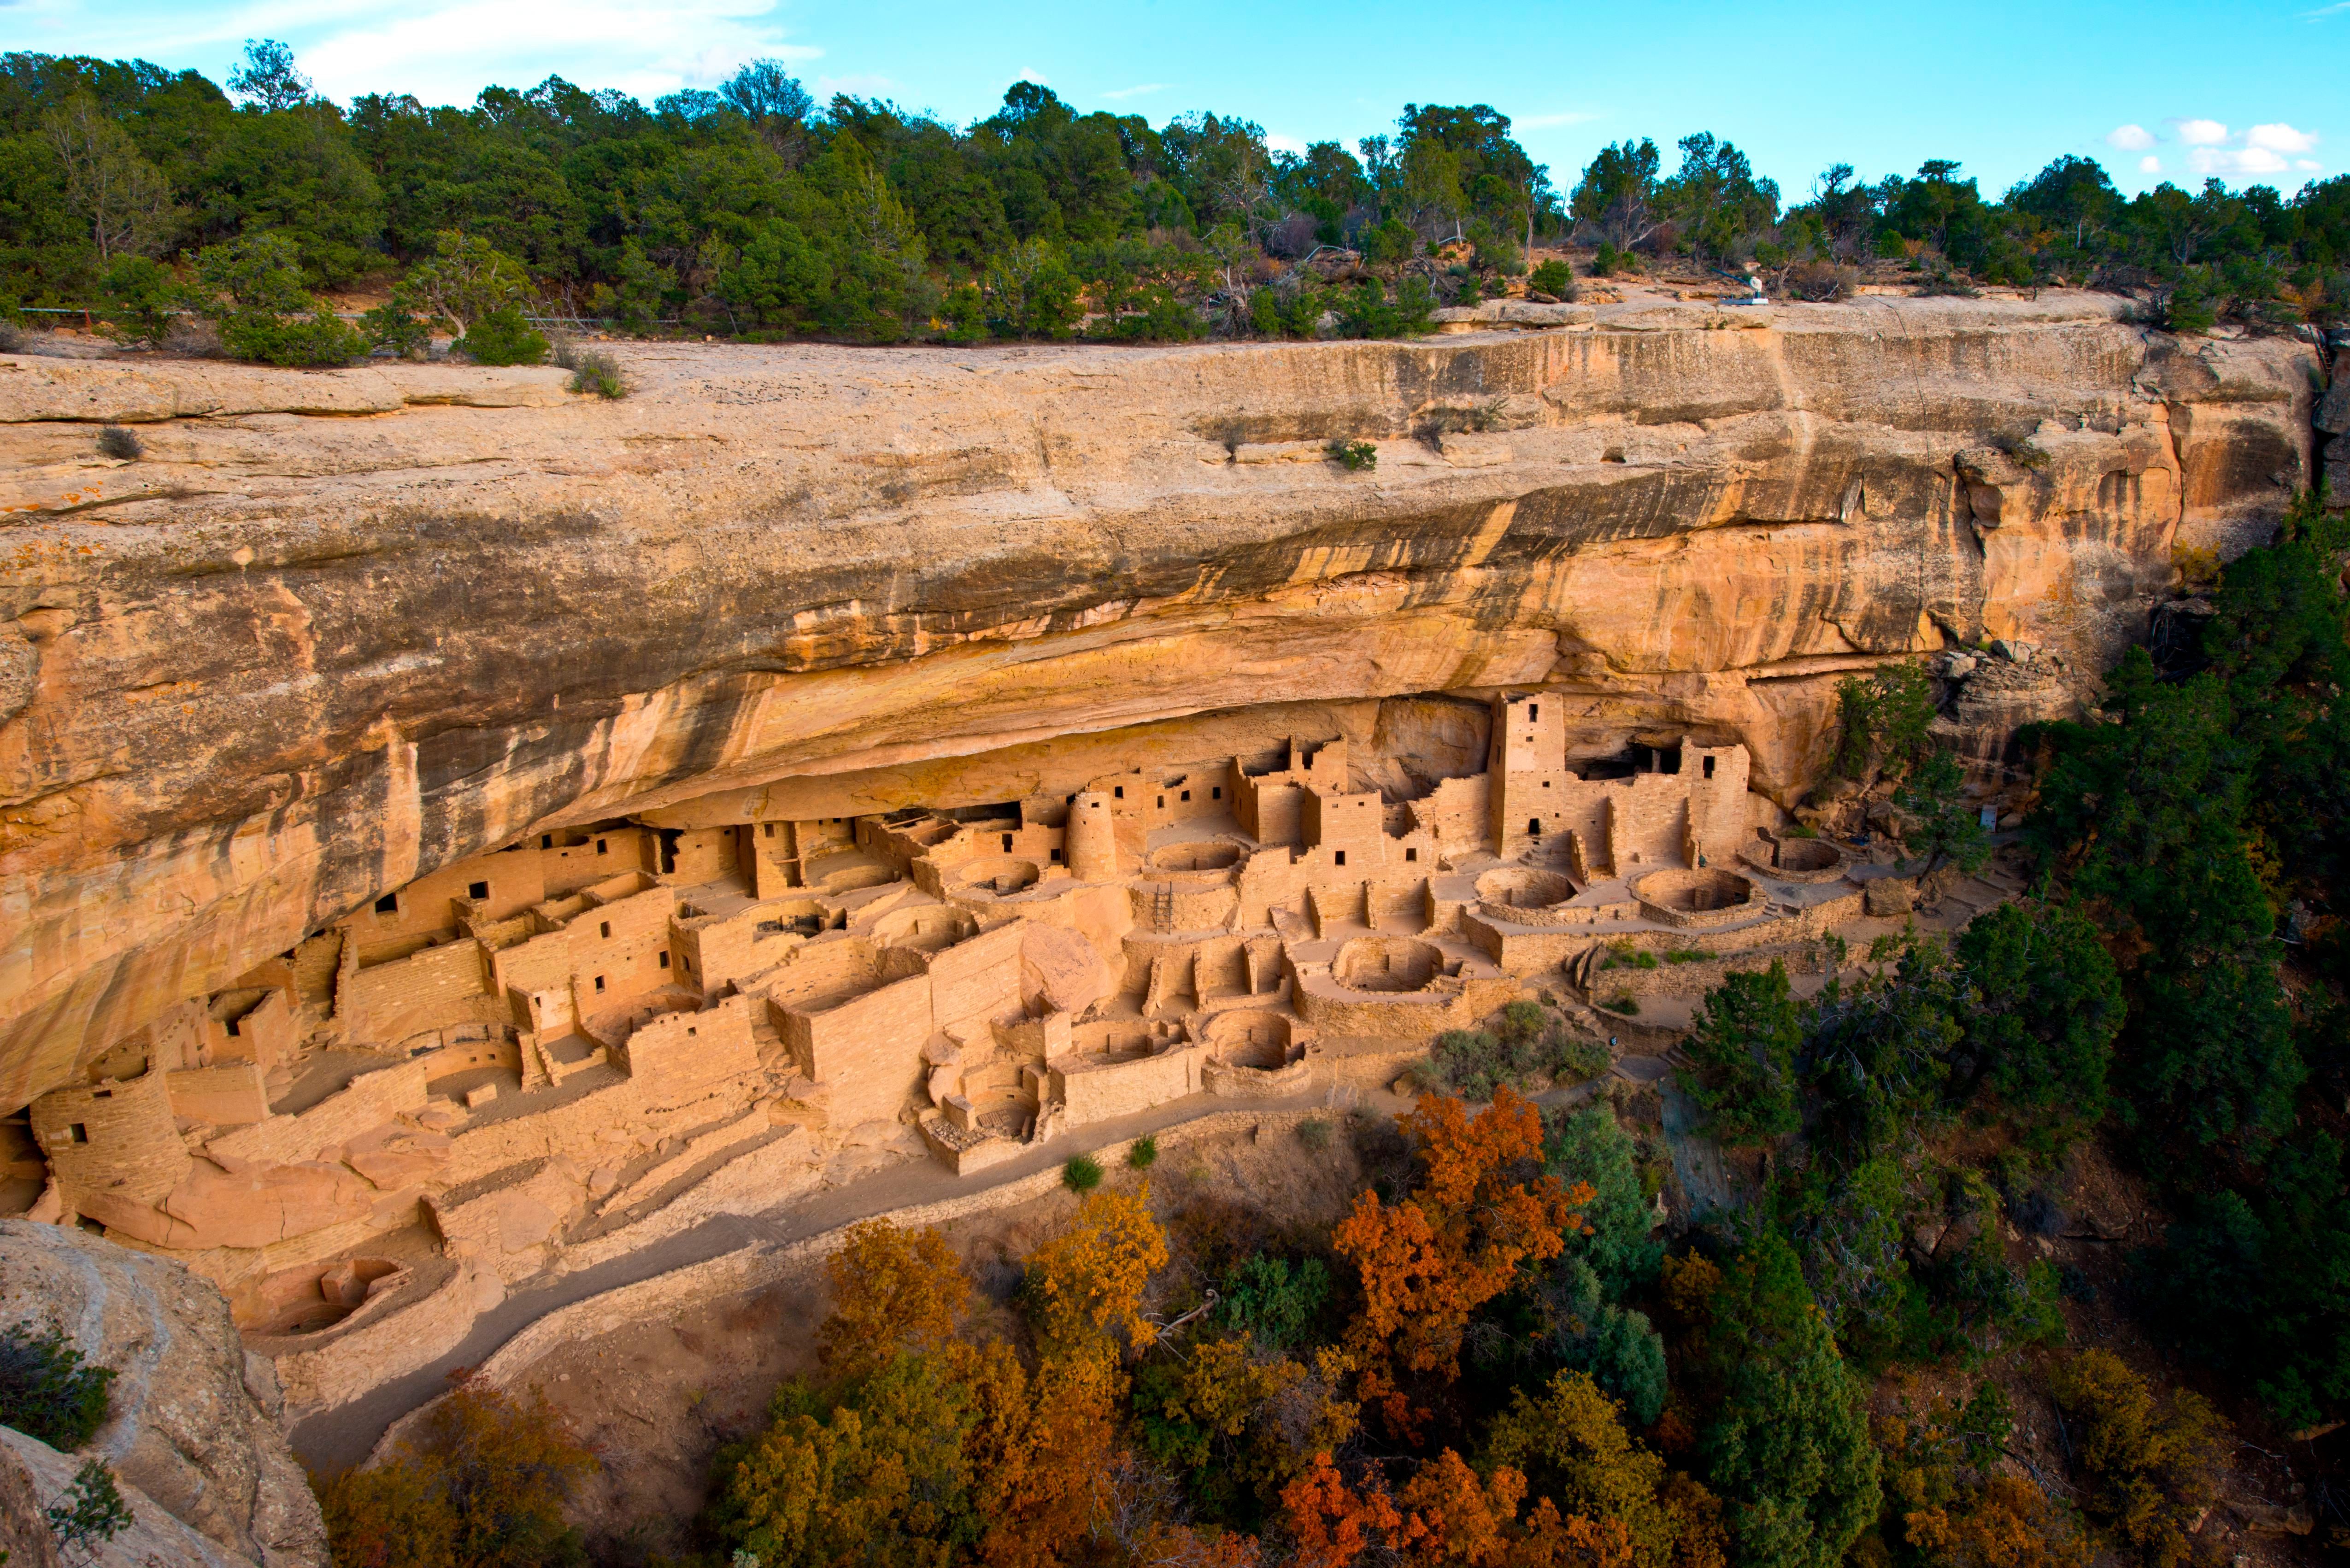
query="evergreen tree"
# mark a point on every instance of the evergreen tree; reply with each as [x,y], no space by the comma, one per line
[1787,1448]
[1743,1046]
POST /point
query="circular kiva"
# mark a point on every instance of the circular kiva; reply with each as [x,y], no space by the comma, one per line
[1388,963]
[1691,898]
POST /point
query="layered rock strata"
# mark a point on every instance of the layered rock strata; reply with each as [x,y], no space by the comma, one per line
[334,630]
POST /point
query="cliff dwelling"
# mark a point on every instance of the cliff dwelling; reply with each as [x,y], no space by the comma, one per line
[523,1053]
[458,892]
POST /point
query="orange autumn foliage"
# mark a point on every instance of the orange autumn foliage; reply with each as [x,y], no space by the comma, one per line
[1461,1519]
[1444,1516]
[1331,1524]
[1573,1541]
[1036,1460]
[2008,1523]
[1427,1263]
[1085,1281]
[892,1290]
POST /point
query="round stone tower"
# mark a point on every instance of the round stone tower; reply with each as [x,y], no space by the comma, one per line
[1092,839]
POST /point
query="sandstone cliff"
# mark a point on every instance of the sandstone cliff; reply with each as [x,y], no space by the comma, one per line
[194,1424]
[335,629]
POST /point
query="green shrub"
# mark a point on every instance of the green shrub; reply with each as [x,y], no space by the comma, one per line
[1275,1300]
[2187,308]
[503,337]
[1687,955]
[1314,1133]
[598,373]
[252,291]
[1083,1173]
[140,297]
[1367,312]
[1553,277]
[118,443]
[1581,1060]
[317,340]
[90,1509]
[1526,1042]
[1624,1003]
[1355,455]
[1144,1153]
[963,314]
[45,1391]
[392,326]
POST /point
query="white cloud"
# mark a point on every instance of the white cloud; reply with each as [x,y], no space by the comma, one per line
[2149,164]
[1118,93]
[2226,161]
[1284,144]
[2200,133]
[1031,74]
[647,47]
[2310,163]
[2279,138]
[1545,122]
[2130,138]
[2334,10]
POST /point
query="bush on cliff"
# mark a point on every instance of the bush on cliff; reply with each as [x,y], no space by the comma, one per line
[47,1391]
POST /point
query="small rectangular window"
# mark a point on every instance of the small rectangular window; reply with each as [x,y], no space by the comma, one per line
[1186,795]
[1162,800]
[1007,843]
[691,1030]
[388,905]
[600,847]
[76,1132]
[1709,767]
[599,983]
[1533,826]
[477,889]
[1119,791]
[1217,793]
[664,961]
[1056,858]
[604,928]
[1413,854]
[547,841]
[770,828]
[1534,712]
[1342,858]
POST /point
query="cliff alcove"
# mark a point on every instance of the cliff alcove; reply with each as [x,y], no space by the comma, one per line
[461,833]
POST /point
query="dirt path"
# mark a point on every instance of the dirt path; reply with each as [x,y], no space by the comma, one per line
[335,1439]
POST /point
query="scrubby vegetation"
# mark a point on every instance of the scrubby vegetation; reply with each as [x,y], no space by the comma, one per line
[755,211]
[1525,1047]
[46,1390]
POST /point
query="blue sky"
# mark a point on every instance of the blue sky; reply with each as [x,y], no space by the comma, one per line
[2153,90]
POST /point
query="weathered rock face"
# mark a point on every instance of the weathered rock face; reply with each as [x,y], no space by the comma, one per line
[196,1421]
[336,630]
